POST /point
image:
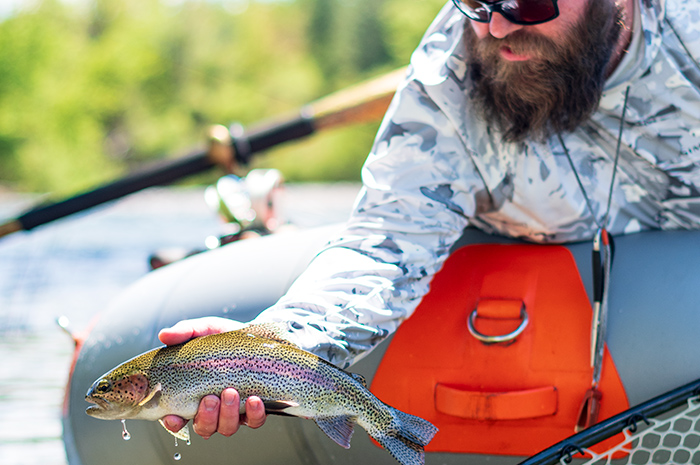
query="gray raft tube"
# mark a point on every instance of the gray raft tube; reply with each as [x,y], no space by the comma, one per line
[652,336]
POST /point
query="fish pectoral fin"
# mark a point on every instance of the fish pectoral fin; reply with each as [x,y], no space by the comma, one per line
[339,429]
[183,434]
[274,331]
[153,392]
[278,407]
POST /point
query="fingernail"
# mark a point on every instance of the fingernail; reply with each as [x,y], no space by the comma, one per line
[210,405]
[170,424]
[228,397]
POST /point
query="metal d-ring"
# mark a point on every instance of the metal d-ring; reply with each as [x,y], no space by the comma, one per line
[486,339]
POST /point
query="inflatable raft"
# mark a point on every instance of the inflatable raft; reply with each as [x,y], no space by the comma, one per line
[494,402]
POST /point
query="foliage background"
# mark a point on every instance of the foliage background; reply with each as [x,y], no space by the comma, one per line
[92,90]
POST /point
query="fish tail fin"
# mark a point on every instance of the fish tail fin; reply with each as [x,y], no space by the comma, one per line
[402,449]
[406,437]
[415,428]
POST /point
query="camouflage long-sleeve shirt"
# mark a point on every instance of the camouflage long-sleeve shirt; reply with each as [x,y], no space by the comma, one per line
[436,168]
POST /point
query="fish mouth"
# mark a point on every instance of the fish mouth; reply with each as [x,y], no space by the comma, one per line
[100,405]
[105,410]
[93,410]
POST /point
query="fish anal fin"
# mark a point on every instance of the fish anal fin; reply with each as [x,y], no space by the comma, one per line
[274,331]
[155,390]
[339,429]
[183,434]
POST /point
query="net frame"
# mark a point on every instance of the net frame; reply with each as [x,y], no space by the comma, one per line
[678,434]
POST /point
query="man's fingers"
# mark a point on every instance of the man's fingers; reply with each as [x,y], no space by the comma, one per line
[222,415]
[207,418]
[187,329]
[254,412]
[229,412]
[174,423]
[175,334]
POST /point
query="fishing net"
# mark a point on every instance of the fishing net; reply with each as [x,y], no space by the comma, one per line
[672,438]
[665,429]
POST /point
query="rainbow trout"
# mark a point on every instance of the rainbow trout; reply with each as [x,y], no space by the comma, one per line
[256,361]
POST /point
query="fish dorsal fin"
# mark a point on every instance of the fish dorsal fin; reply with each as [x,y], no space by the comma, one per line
[339,429]
[275,331]
[151,394]
[359,378]
[183,434]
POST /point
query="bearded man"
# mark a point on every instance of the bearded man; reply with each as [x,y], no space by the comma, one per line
[543,120]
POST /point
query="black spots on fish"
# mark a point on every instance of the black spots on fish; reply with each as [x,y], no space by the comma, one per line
[278,332]
[414,428]
[289,380]
[405,437]
[128,389]
[139,387]
[359,378]
[402,449]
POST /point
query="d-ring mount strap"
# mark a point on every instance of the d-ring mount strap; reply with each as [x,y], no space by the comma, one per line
[498,309]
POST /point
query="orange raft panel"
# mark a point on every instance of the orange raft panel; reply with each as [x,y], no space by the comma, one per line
[514,397]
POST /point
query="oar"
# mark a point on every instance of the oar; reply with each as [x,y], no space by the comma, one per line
[360,103]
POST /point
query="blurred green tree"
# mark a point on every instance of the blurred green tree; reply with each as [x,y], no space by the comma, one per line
[92,90]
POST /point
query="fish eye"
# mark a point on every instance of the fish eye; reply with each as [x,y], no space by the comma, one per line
[103,386]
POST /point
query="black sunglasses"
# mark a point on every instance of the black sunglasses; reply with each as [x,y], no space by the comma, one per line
[524,12]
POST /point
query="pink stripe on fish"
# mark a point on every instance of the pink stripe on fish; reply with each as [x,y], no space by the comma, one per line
[258,365]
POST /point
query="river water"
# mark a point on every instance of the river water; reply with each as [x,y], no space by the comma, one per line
[73,268]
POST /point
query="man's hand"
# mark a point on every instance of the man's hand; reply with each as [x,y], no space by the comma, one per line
[214,414]
[187,329]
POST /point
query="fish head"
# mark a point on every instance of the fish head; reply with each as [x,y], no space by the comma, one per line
[118,395]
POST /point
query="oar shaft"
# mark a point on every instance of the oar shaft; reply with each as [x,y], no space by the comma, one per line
[10,227]
[262,137]
[361,103]
[164,173]
[157,176]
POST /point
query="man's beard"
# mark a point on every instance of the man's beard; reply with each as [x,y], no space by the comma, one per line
[554,91]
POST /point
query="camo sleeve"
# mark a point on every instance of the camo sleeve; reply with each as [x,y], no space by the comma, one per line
[414,205]
[436,168]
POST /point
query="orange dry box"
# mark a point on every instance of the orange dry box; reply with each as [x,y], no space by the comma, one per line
[514,397]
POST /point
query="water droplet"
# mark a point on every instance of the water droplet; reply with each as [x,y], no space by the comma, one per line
[125,433]
[177,456]
[175,442]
